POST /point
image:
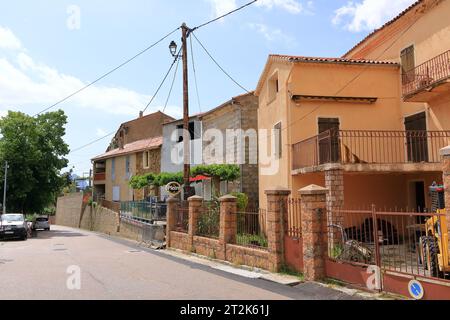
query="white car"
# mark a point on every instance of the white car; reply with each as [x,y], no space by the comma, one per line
[41,223]
[13,225]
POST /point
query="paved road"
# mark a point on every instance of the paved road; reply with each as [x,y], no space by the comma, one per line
[117,269]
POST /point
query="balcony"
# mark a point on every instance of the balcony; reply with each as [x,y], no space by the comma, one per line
[363,150]
[427,80]
[101,176]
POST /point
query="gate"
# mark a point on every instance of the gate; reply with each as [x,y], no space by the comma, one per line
[293,246]
[385,250]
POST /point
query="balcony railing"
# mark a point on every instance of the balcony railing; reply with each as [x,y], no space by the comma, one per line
[370,147]
[426,74]
[100,176]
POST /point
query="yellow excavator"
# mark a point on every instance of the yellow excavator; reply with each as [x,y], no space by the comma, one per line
[434,250]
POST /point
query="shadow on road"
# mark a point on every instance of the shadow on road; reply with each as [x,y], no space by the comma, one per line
[42,235]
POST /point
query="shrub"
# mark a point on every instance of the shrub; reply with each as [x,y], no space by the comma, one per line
[242,200]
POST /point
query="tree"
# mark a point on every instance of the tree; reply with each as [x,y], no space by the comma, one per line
[35,151]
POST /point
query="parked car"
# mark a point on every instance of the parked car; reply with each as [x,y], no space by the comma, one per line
[13,226]
[41,223]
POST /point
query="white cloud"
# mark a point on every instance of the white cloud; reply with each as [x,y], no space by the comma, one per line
[8,40]
[221,7]
[368,14]
[24,81]
[272,34]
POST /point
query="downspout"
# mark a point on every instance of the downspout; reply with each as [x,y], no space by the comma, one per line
[289,119]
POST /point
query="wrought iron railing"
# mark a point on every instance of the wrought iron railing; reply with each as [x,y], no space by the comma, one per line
[426,74]
[143,210]
[370,147]
[251,229]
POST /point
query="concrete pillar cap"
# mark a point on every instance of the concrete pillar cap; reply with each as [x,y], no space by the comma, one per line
[278,191]
[313,189]
[227,198]
[445,151]
[195,198]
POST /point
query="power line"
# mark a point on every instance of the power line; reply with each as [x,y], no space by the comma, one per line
[224,15]
[92,142]
[195,76]
[108,73]
[171,86]
[218,65]
[163,80]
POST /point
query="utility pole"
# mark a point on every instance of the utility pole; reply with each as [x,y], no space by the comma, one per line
[186,134]
[4,187]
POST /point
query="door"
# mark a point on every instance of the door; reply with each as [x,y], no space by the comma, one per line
[328,140]
[416,138]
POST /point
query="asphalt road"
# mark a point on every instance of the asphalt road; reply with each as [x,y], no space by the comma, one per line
[47,267]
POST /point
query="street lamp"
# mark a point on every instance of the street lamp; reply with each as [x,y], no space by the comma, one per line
[173,48]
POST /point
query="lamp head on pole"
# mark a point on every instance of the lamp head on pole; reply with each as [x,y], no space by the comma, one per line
[173,48]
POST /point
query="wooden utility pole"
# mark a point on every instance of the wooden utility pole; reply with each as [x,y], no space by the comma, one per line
[186,134]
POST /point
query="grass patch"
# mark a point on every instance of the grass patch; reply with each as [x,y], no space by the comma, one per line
[244,239]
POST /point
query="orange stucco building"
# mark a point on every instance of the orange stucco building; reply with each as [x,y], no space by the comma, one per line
[368,126]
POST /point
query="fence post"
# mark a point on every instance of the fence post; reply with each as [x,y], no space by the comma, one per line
[276,207]
[446,178]
[195,205]
[314,231]
[171,214]
[228,222]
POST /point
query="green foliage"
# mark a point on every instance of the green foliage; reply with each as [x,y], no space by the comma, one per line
[226,172]
[165,177]
[245,239]
[242,200]
[35,151]
[337,251]
[208,222]
[141,181]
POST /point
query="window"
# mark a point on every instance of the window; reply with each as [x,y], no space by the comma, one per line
[329,147]
[273,88]
[127,168]
[407,59]
[193,134]
[113,169]
[278,148]
[146,159]
[116,193]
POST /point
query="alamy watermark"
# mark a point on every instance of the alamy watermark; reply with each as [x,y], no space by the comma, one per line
[73,281]
[230,146]
[73,21]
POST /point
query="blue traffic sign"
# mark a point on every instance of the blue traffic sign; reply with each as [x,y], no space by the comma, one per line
[415,289]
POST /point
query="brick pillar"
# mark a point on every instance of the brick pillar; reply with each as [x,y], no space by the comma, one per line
[314,233]
[446,178]
[171,216]
[334,182]
[276,207]
[228,223]
[195,205]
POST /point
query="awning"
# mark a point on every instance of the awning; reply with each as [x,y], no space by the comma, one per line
[199,178]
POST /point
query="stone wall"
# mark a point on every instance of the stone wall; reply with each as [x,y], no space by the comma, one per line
[70,213]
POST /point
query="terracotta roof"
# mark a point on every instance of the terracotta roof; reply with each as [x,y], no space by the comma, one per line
[331,60]
[134,147]
[385,25]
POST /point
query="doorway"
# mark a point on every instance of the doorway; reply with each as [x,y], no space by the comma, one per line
[328,140]
[416,138]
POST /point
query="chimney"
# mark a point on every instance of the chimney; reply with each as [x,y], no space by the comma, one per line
[141,114]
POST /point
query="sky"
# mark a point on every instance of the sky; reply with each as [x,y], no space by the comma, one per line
[50,49]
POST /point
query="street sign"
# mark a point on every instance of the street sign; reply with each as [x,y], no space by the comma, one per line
[173,188]
[415,289]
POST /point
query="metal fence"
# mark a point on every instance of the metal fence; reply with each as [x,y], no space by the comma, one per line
[208,222]
[426,74]
[143,210]
[182,217]
[251,229]
[370,147]
[293,225]
[394,241]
